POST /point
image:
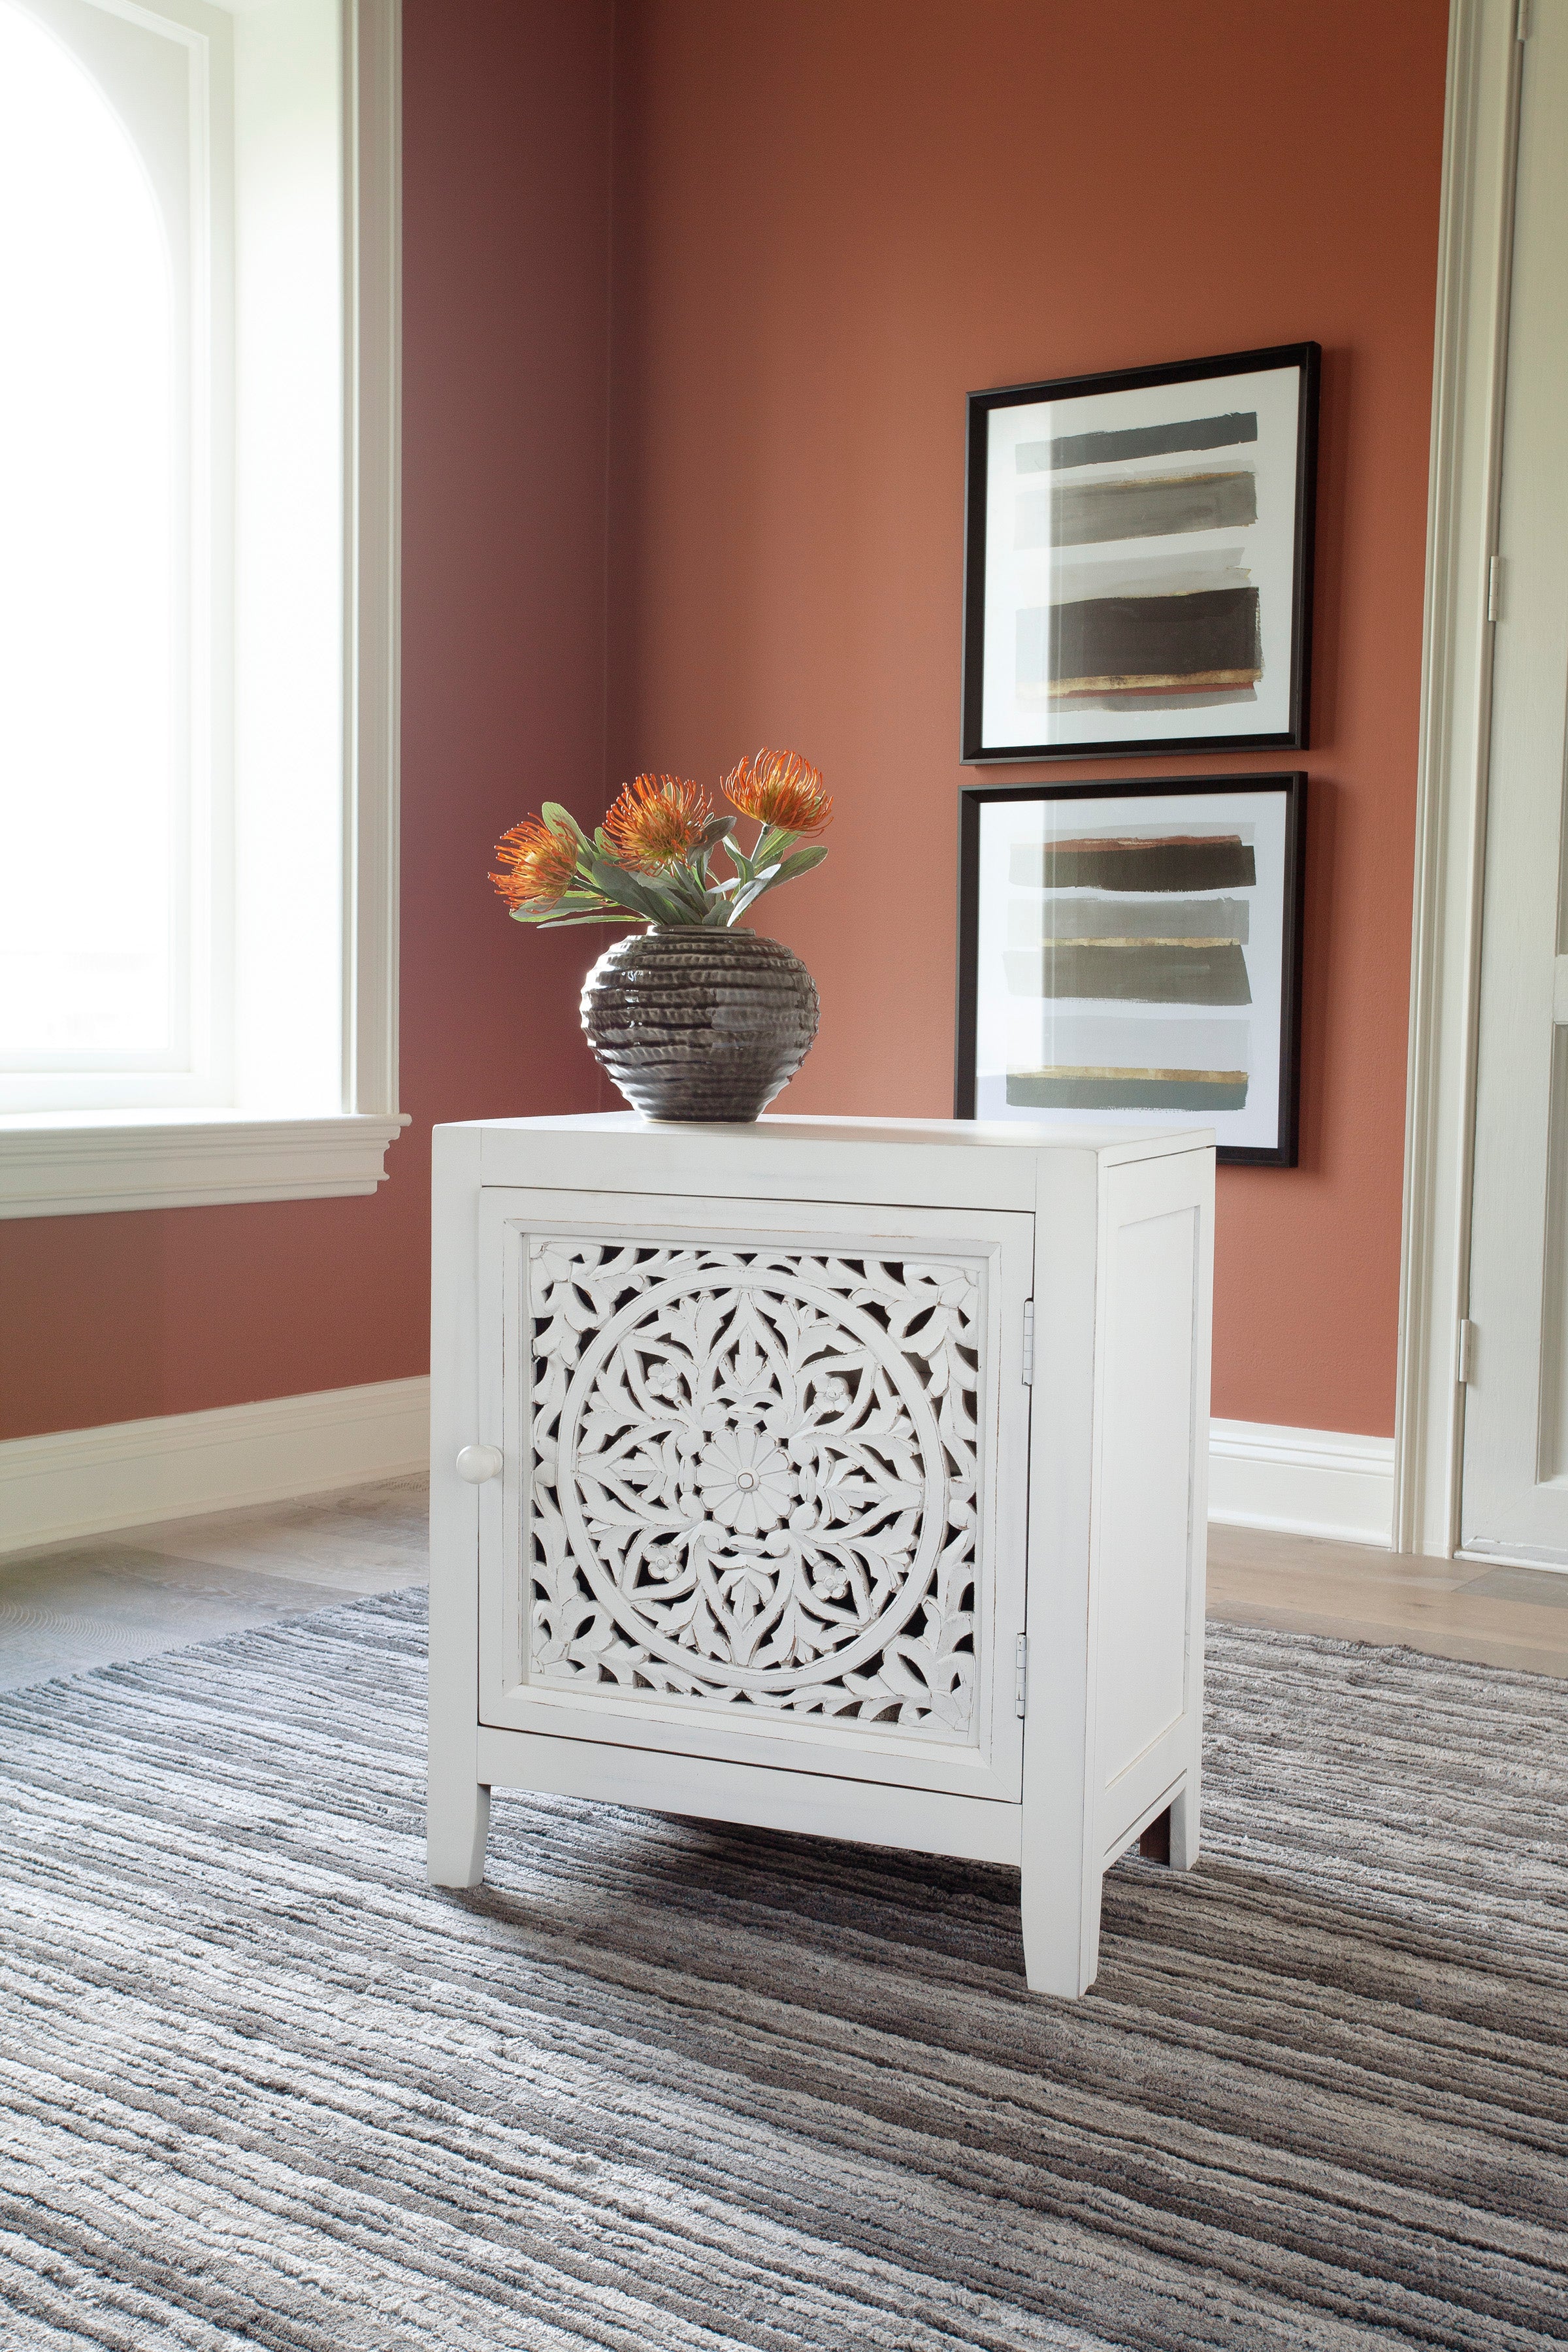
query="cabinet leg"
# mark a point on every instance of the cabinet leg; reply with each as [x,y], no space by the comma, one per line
[458,1822]
[1184,1851]
[1061,1931]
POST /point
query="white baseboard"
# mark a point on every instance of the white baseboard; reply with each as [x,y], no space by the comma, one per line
[82,1482]
[1305,1482]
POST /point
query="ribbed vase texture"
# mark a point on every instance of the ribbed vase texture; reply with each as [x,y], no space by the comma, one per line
[696,1023]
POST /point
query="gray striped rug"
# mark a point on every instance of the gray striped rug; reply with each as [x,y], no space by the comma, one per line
[663,2084]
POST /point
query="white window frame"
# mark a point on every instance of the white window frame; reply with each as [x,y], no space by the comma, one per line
[55,1163]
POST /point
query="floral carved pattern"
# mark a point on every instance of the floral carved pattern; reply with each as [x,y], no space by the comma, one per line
[753,1479]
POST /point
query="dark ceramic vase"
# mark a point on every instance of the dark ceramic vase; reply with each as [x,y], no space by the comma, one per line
[697,1023]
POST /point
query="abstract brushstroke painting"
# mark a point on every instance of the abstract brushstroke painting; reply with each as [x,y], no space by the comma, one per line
[1132,951]
[1138,560]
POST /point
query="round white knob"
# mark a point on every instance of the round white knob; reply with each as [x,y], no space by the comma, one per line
[478,1463]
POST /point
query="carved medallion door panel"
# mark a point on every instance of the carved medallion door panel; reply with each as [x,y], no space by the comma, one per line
[764,1493]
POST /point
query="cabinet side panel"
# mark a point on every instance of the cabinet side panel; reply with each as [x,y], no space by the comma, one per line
[1145,1566]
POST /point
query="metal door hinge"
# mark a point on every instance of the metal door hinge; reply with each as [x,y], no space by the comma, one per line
[1466,1350]
[1021,1678]
[1494,589]
[1028,1343]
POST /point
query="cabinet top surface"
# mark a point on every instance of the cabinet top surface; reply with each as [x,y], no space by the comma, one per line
[965,1134]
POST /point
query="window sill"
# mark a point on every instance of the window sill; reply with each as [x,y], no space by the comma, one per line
[68,1163]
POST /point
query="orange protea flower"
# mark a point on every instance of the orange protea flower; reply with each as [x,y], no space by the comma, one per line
[538,864]
[656,819]
[780,789]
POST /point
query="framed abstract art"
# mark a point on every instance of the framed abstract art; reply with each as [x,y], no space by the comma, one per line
[1129,954]
[1138,572]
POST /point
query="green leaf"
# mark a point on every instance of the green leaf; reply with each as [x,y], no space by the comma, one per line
[687,889]
[624,889]
[713,835]
[801,862]
[771,839]
[748,898]
[606,915]
[786,870]
[561,821]
[570,902]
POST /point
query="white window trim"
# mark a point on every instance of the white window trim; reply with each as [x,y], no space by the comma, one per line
[66,1163]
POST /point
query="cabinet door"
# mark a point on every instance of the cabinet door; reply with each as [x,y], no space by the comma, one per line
[766,1484]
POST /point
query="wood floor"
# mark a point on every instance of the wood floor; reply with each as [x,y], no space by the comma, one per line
[1449,1607]
[134,1593]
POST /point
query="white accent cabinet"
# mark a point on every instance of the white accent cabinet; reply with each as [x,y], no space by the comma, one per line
[841,1476]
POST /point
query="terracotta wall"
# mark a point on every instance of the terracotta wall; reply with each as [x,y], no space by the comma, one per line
[834,218]
[506,226]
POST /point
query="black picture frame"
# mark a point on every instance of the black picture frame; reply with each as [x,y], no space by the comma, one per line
[1292,785]
[1306,359]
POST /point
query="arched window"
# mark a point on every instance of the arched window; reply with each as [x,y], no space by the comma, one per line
[198,599]
[94,432]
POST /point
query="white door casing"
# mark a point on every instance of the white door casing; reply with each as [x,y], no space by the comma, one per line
[765,1496]
[1515,1463]
[1475,232]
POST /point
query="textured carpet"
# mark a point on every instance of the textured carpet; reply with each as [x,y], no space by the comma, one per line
[663,2084]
